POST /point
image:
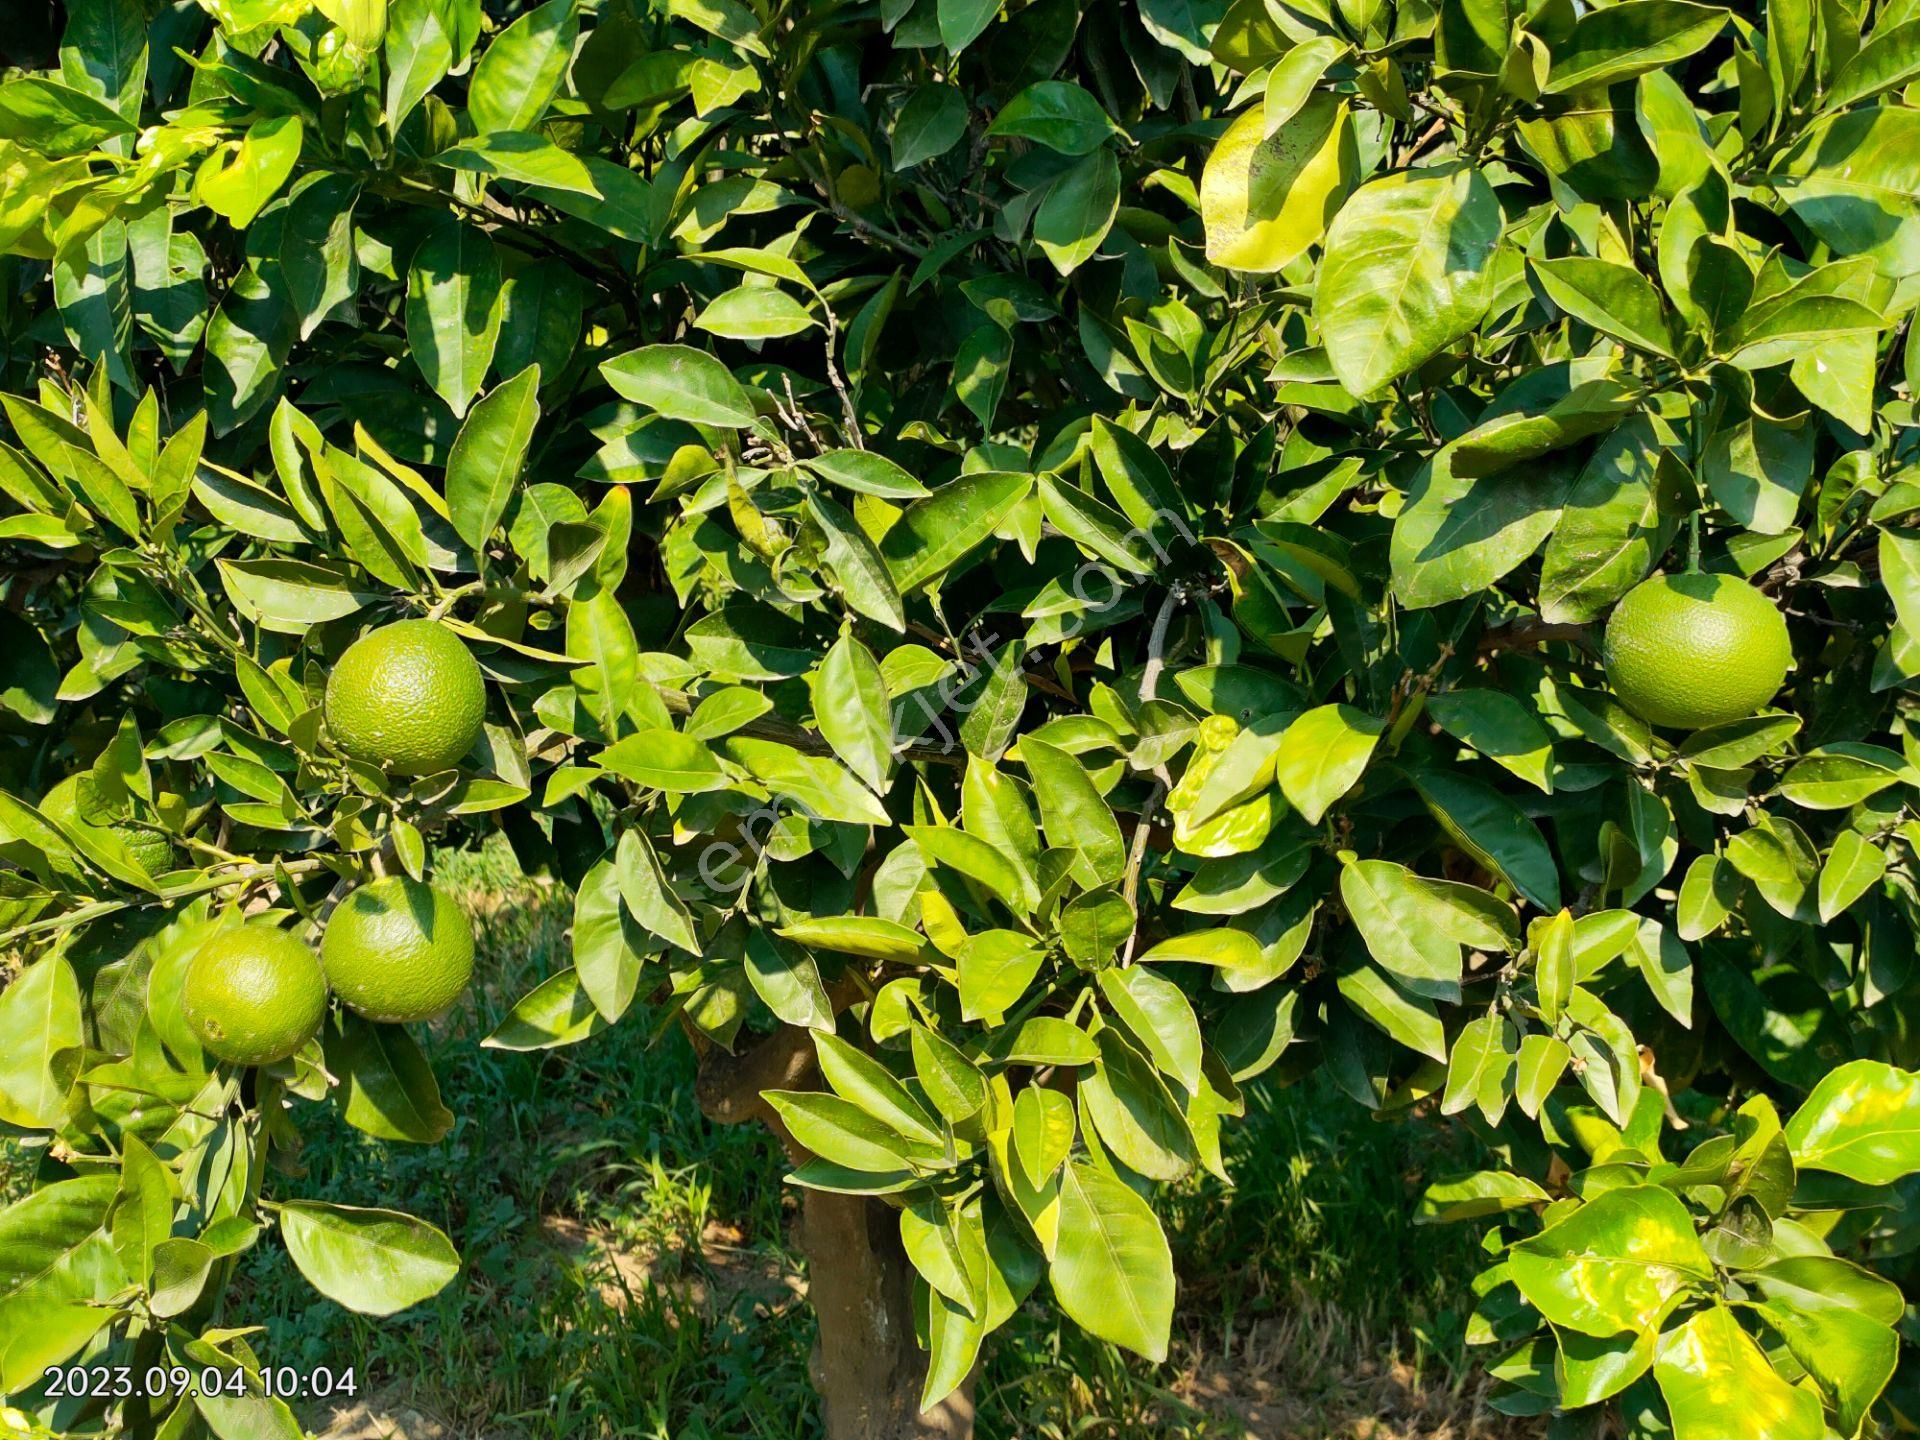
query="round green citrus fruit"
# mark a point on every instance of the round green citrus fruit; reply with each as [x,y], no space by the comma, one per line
[407,697]
[1693,650]
[254,994]
[72,803]
[398,950]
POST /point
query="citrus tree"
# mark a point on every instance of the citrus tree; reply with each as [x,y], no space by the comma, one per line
[1029,565]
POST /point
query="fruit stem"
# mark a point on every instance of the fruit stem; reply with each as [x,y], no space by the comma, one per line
[1693,543]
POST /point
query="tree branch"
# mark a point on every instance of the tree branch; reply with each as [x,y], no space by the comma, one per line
[1524,633]
[728,1086]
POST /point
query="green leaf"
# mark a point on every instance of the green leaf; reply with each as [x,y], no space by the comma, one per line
[374,1262]
[419,53]
[933,535]
[56,1260]
[237,184]
[866,935]
[980,370]
[1842,774]
[1073,814]
[1094,925]
[1406,272]
[934,1251]
[1396,916]
[453,310]
[56,119]
[1458,534]
[1500,727]
[664,760]
[103,52]
[489,453]
[1862,1121]
[815,783]
[649,896]
[1593,1368]
[387,1088]
[1889,58]
[1265,199]
[852,710]
[1838,1321]
[681,383]
[1160,1017]
[857,1076]
[1543,1060]
[1614,299]
[1622,41]
[952,1081]
[1614,1264]
[606,960]
[1407,1019]
[1718,1385]
[248,340]
[1112,1270]
[1322,756]
[786,979]
[1551,938]
[996,967]
[1294,78]
[931,123]
[1078,211]
[754,312]
[1134,1113]
[1613,527]
[557,1011]
[963,21]
[838,1130]
[1854,180]
[1058,114]
[1048,1040]
[1043,1131]
[864,579]
[1777,857]
[521,71]
[40,1017]
[1852,868]
[1488,1192]
[980,860]
[865,472]
[1494,830]
[526,159]
[608,684]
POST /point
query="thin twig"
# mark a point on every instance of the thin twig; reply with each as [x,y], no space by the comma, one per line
[1157,642]
[849,416]
[1136,860]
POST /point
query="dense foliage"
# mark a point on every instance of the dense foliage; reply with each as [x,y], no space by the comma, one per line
[1057,548]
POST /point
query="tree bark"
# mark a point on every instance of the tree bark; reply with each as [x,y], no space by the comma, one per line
[866,1365]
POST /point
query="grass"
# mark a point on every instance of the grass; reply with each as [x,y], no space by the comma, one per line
[627,1262]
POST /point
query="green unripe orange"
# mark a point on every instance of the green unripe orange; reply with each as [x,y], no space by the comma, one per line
[254,994]
[397,950]
[1688,651]
[407,698]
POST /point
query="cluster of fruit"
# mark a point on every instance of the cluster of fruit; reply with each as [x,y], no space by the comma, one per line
[408,699]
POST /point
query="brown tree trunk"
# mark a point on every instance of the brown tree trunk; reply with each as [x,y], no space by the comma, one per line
[866,1365]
